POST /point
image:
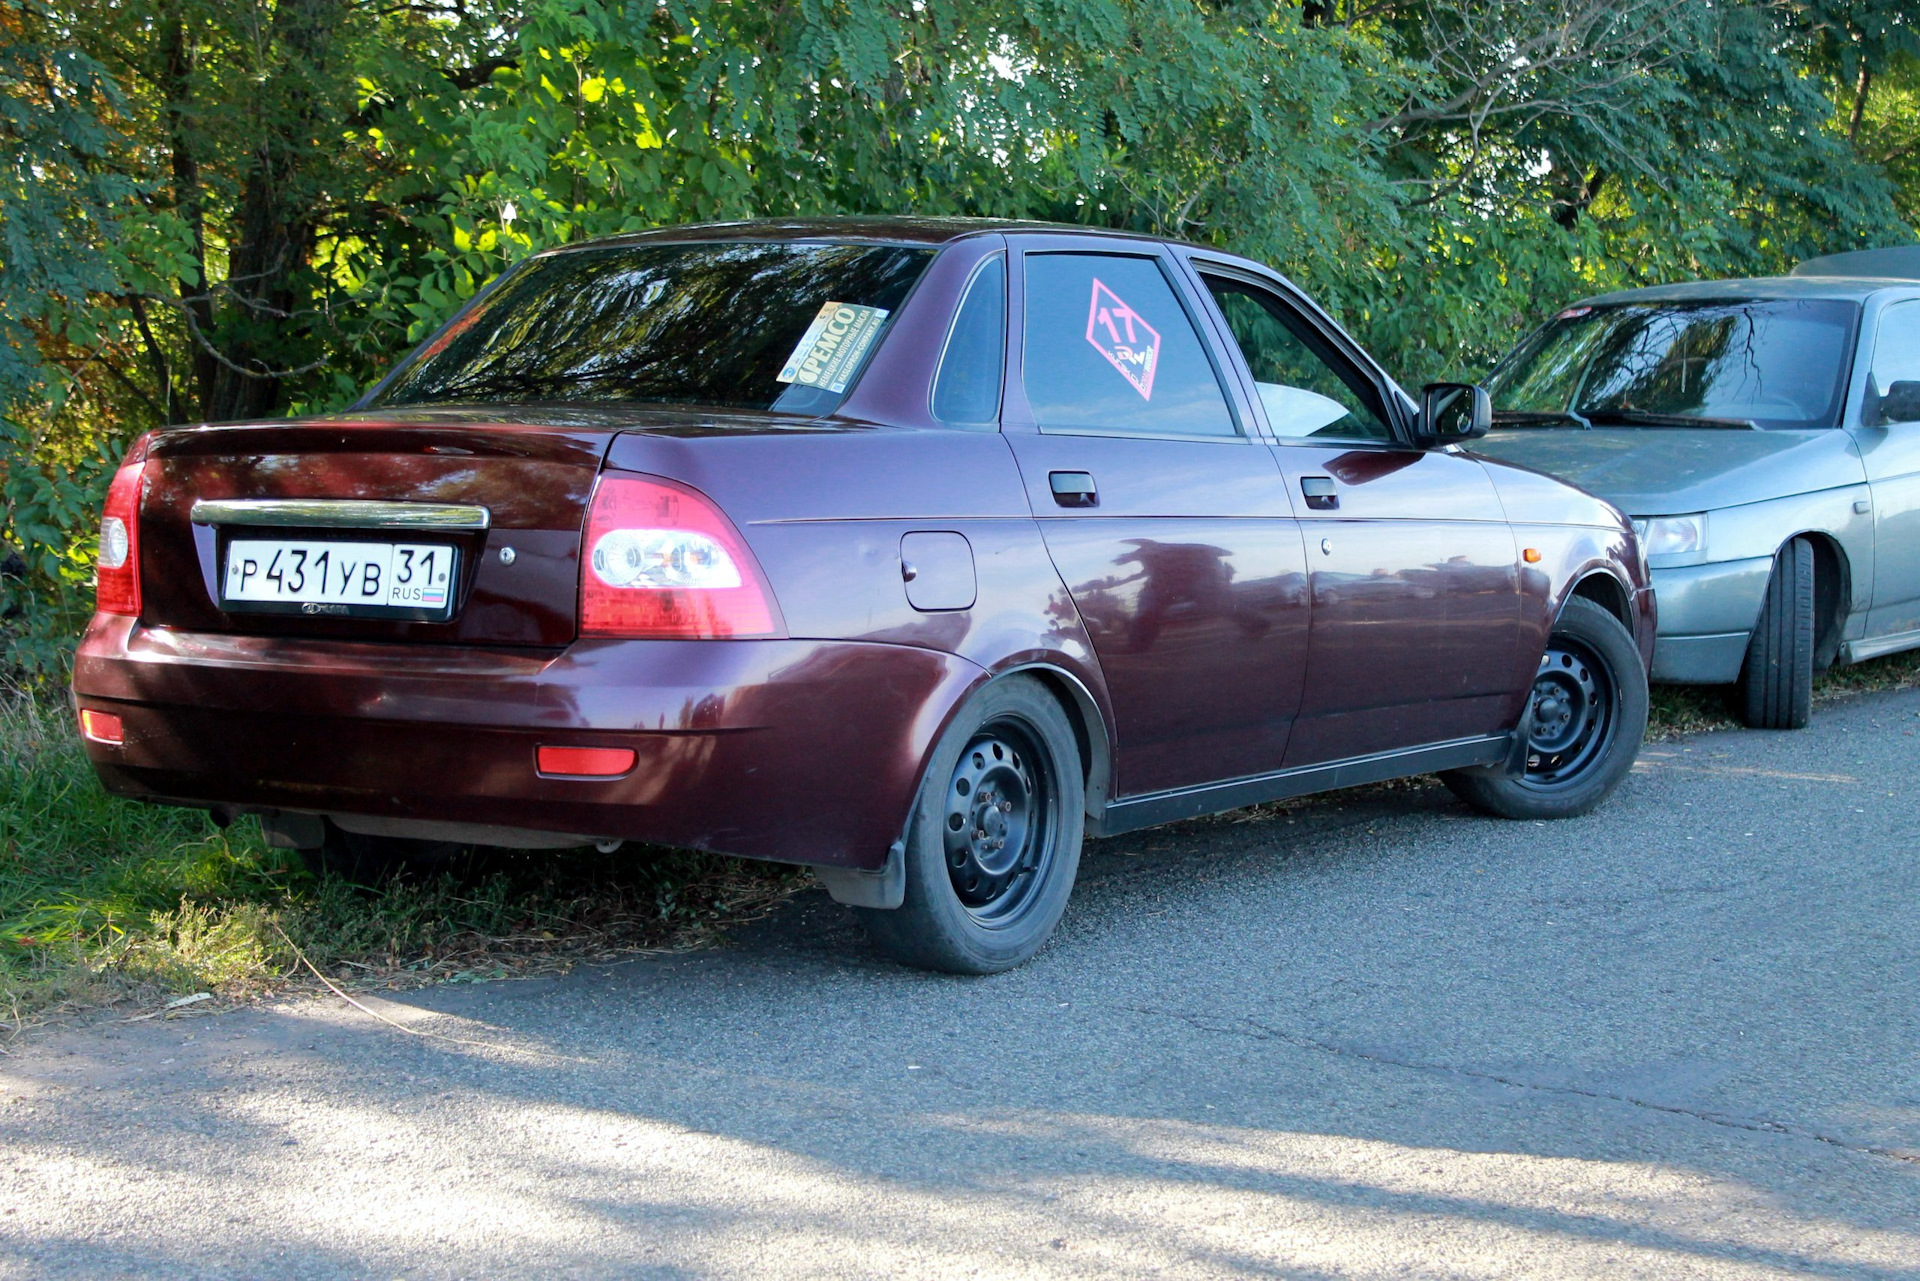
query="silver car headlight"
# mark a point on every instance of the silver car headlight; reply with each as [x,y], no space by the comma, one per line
[1672,535]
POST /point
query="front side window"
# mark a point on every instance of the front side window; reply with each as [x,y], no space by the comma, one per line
[1770,363]
[1896,349]
[1110,349]
[784,326]
[1306,389]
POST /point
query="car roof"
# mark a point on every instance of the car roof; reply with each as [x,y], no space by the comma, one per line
[1844,288]
[884,229]
[1895,262]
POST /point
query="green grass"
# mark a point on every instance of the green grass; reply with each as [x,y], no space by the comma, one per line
[104,901]
[1677,711]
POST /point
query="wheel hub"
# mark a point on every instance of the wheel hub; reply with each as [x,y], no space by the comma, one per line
[1570,715]
[993,828]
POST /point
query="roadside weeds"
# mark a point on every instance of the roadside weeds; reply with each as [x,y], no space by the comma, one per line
[109,904]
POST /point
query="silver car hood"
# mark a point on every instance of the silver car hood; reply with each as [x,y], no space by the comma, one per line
[1664,471]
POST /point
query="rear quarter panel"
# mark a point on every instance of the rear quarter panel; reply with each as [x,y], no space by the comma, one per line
[824,513]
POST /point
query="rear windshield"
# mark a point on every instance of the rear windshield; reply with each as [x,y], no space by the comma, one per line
[1778,364]
[783,326]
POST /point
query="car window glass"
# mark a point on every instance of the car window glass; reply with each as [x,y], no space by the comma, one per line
[1109,348]
[966,391]
[1776,363]
[1896,349]
[1303,393]
[782,325]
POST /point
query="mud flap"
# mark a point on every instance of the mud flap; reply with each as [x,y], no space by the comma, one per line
[885,889]
[1515,765]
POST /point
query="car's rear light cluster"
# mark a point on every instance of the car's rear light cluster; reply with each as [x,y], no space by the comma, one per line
[662,562]
[117,588]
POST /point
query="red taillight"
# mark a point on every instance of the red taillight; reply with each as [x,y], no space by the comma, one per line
[117,571]
[661,561]
[586,762]
[102,727]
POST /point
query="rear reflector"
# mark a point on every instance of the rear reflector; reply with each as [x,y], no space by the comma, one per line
[586,762]
[102,727]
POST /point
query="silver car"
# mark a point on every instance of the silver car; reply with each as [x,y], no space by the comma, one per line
[1764,435]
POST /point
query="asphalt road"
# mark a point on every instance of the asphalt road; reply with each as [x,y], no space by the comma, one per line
[1680,1037]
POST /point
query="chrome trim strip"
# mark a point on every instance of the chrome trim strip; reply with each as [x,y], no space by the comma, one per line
[339,513]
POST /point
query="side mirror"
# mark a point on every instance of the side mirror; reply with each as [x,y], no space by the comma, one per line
[1451,412]
[1901,403]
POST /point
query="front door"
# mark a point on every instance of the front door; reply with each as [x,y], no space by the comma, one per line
[1167,521]
[1416,602]
[1891,452]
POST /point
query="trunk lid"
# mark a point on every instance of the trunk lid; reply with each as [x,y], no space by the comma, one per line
[534,478]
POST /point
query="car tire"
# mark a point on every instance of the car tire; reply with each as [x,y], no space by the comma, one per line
[993,845]
[371,861]
[1776,682]
[1589,715]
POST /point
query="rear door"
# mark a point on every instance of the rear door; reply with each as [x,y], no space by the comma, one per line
[1165,517]
[1415,586]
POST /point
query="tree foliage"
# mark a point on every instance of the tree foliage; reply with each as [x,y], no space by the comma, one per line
[239,208]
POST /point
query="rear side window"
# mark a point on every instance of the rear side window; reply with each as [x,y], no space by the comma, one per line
[1109,348]
[784,326]
[966,392]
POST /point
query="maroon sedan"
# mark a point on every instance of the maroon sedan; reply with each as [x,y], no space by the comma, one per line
[910,550]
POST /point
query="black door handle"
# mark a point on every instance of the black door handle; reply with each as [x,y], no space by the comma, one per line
[1073,488]
[1320,493]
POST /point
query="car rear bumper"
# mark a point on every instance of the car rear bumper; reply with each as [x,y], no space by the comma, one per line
[800,751]
[1706,614]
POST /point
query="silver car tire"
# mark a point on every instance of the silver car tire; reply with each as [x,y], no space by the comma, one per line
[1776,682]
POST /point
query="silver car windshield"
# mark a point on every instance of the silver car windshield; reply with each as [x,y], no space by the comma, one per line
[1777,364]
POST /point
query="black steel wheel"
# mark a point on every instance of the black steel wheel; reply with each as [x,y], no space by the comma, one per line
[1586,712]
[1573,715]
[994,843]
[998,829]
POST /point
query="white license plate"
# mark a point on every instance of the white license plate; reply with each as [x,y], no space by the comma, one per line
[316,576]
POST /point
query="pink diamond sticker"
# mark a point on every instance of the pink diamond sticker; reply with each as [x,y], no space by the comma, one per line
[1129,343]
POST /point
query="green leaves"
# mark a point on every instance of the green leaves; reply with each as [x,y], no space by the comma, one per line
[249,206]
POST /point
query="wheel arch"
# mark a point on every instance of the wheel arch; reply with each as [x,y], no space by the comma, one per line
[1832,592]
[1603,589]
[1089,729]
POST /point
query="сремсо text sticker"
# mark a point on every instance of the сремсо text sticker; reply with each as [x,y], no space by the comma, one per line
[832,348]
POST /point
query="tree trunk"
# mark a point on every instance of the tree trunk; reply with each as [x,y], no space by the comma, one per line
[1861,87]
[273,239]
[176,71]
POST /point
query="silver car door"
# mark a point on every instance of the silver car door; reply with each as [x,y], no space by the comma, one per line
[1890,447]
